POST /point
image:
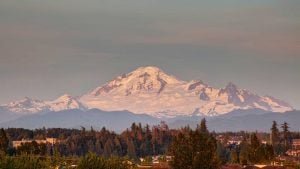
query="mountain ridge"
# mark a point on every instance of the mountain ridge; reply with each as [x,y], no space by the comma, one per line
[238,120]
[149,90]
[76,118]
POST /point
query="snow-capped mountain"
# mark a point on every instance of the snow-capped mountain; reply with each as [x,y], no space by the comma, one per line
[147,80]
[30,106]
[152,91]
[25,106]
[149,90]
[65,102]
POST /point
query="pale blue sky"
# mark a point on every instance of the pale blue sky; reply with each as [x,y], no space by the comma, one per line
[52,47]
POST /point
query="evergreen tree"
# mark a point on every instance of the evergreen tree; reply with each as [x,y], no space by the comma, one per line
[182,151]
[131,150]
[3,140]
[203,127]
[275,137]
[108,148]
[258,152]
[286,133]
[269,153]
[223,153]
[253,153]
[244,149]
[194,150]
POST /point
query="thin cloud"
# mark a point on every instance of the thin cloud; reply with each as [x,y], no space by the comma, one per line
[271,43]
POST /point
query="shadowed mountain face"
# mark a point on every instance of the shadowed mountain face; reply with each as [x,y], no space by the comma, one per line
[149,90]
[247,120]
[75,118]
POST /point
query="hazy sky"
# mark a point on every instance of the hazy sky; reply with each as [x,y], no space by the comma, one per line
[52,47]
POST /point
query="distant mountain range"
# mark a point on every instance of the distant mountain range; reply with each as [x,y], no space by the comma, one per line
[247,120]
[76,118]
[243,120]
[147,95]
[149,90]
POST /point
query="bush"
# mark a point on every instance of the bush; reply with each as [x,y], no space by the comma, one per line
[92,161]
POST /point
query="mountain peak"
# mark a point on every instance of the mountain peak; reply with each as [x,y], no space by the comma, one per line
[65,102]
[65,97]
[149,79]
[193,84]
[26,105]
[154,73]
[231,86]
[149,69]
[24,101]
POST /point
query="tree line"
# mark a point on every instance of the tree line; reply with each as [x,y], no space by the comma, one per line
[136,141]
[190,148]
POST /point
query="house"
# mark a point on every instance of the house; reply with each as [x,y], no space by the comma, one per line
[294,153]
[296,143]
[51,141]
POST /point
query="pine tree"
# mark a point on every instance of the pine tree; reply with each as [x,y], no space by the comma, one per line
[131,150]
[254,149]
[182,151]
[269,153]
[243,152]
[108,148]
[274,134]
[223,153]
[3,140]
[275,137]
[194,150]
[286,133]
[203,127]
